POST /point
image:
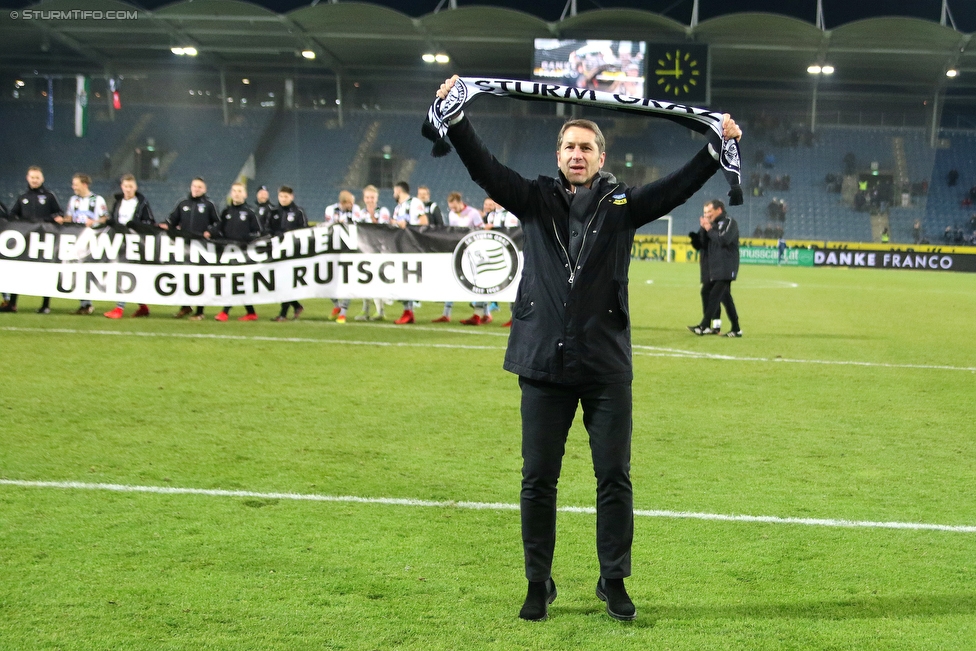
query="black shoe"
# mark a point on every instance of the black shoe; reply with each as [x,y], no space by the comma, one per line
[619,605]
[7,307]
[537,600]
[698,330]
[43,310]
[734,333]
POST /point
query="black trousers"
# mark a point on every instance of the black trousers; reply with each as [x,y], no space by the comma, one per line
[547,414]
[714,295]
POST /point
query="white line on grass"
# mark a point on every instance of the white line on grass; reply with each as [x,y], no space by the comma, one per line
[645,351]
[677,352]
[292,340]
[484,506]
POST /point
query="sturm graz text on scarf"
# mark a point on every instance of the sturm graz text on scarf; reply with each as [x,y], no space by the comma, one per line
[467,89]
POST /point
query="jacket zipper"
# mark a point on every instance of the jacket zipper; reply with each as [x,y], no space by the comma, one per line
[572,265]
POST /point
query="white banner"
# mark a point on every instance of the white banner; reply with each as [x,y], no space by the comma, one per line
[364,261]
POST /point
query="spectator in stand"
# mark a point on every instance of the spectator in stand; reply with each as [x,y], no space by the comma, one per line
[38,204]
[3,211]
[130,207]
[264,207]
[88,208]
[952,178]
[947,235]
[287,217]
[344,211]
[240,224]
[195,215]
[373,213]
[409,210]
[434,215]
[917,231]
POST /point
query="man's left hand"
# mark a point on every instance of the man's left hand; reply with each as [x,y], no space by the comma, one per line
[729,128]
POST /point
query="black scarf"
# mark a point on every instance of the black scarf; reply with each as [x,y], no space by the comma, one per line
[467,89]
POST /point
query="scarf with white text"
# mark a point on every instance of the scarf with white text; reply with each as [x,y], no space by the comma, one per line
[467,89]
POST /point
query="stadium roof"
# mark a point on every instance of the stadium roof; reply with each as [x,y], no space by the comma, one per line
[907,54]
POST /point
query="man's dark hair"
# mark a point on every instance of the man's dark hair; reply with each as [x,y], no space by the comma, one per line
[403,185]
[601,142]
[84,178]
[718,205]
[199,178]
[286,190]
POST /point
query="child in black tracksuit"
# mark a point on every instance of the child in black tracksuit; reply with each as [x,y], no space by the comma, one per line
[287,217]
[239,223]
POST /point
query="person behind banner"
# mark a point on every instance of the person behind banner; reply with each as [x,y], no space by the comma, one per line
[373,213]
[85,207]
[130,207]
[344,211]
[461,215]
[240,224]
[195,215]
[264,207]
[718,242]
[570,340]
[496,216]
[434,215]
[38,204]
[409,211]
[287,217]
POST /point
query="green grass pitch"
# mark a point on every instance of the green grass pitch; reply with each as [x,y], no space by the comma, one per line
[852,396]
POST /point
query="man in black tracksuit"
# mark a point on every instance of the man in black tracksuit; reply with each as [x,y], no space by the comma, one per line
[570,339]
[717,241]
[264,207]
[434,215]
[195,215]
[240,224]
[38,204]
[287,217]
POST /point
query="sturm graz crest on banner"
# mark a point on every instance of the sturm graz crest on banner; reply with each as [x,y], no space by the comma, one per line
[486,262]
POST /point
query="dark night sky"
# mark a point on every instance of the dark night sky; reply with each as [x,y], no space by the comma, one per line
[836,12]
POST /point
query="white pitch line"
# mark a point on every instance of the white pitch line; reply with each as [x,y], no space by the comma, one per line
[674,352]
[292,340]
[485,506]
[644,351]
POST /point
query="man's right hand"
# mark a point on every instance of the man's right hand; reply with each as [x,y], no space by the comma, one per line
[446,87]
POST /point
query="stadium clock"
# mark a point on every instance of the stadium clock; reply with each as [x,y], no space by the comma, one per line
[678,73]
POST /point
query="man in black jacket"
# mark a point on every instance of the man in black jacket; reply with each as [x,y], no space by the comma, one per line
[130,207]
[717,241]
[287,217]
[195,215]
[240,224]
[570,339]
[264,207]
[38,204]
